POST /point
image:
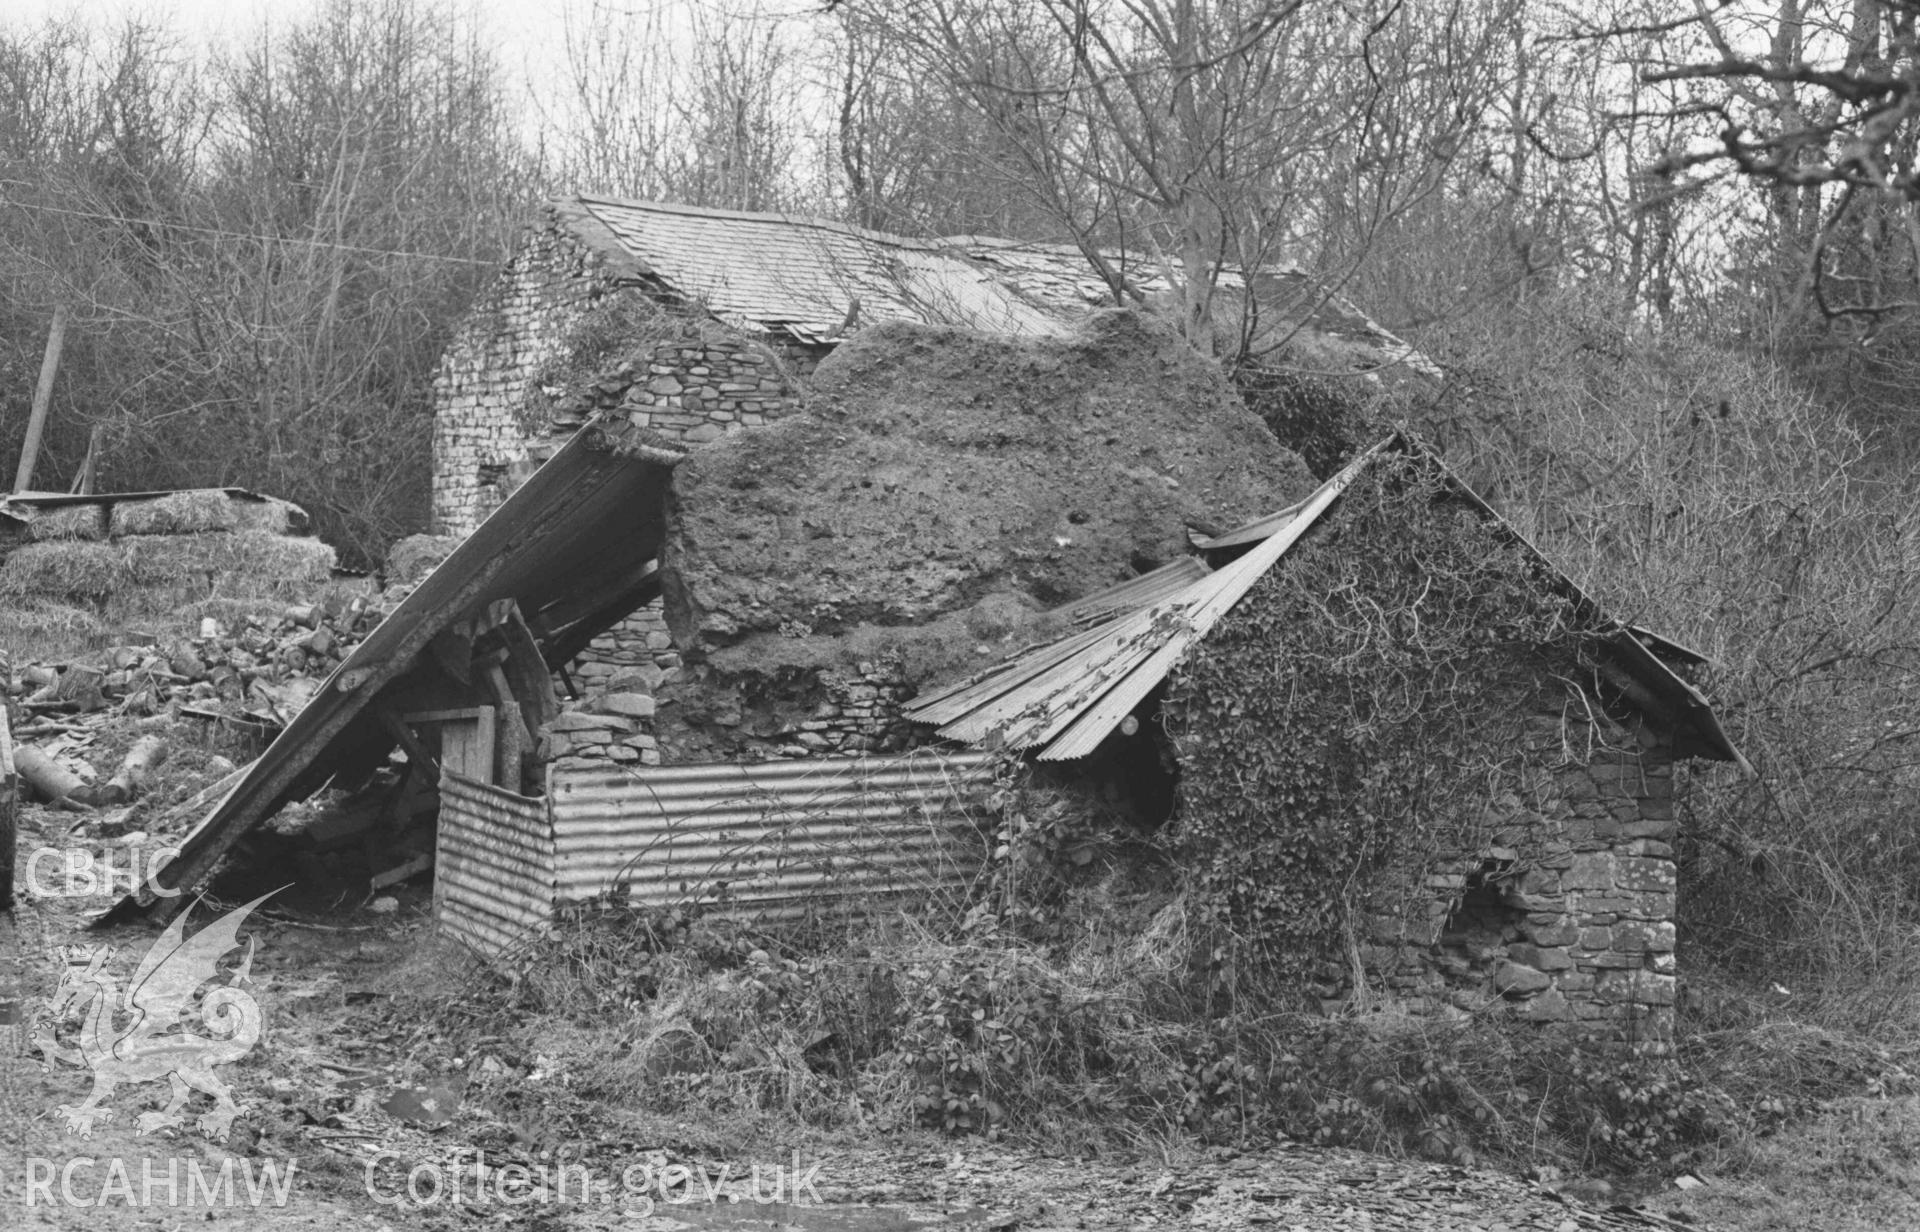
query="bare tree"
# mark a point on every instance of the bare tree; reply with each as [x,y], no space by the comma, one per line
[1819,104]
[700,106]
[266,251]
[1204,135]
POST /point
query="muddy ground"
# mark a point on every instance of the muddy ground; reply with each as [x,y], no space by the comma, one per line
[353,1092]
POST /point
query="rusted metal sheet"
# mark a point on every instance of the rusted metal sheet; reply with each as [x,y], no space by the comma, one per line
[1144,591]
[493,884]
[1065,703]
[772,838]
[1061,700]
[582,524]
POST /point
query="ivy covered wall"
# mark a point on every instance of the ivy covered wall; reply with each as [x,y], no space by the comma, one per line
[1398,777]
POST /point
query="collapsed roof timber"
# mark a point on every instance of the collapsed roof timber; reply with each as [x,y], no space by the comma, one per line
[570,553]
[575,549]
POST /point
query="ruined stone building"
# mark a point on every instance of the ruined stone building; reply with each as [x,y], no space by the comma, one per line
[754,302]
[693,323]
[1552,893]
[820,497]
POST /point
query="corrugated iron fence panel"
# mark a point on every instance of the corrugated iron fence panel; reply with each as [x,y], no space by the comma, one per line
[493,865]
[772,838]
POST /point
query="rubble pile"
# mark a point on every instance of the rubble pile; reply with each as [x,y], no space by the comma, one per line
[251,678]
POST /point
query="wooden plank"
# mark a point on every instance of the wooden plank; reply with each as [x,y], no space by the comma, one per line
[445,716]
[512,739]
[467,744]
[527,672]
[407,739]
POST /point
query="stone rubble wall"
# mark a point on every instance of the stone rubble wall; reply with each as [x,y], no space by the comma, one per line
[691,390]
[1567,917]
[493,425]
[480,444]
[626,714]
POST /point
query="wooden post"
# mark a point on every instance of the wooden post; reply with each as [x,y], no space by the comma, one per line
[83,480]
[42,395]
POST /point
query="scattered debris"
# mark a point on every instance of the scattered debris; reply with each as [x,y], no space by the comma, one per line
[252,679]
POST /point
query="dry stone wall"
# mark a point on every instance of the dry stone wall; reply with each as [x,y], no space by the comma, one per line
[1567,916]
[481,445]
[496,418]
[629,712]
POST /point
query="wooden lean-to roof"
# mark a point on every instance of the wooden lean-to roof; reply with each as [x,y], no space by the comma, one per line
[567,555]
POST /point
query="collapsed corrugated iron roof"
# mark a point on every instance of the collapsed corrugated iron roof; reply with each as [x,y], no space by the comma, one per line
[1062,699]
[563,558]
[817,281]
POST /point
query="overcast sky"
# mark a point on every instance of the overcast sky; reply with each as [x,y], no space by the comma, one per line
[528,33]
[511,19]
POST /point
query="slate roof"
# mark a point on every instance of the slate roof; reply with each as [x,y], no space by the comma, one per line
[817,281]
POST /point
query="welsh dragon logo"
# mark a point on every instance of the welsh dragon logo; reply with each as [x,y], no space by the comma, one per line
[130,1035]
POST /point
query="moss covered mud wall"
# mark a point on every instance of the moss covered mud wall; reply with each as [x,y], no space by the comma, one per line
[938,493]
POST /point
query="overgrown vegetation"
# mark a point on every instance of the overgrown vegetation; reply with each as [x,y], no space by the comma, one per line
[1354,713]
[1706,494]
[1101,1040]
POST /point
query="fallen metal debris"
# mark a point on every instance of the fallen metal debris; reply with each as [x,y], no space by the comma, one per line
[1063,698]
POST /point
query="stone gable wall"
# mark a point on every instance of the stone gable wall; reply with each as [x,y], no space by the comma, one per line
[1567,916]
[482,449]
[492,426]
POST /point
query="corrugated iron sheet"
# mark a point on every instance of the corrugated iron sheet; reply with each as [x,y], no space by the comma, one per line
[1146,590]
[1064,698]
[772,838]
[580,529]
[493,884]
